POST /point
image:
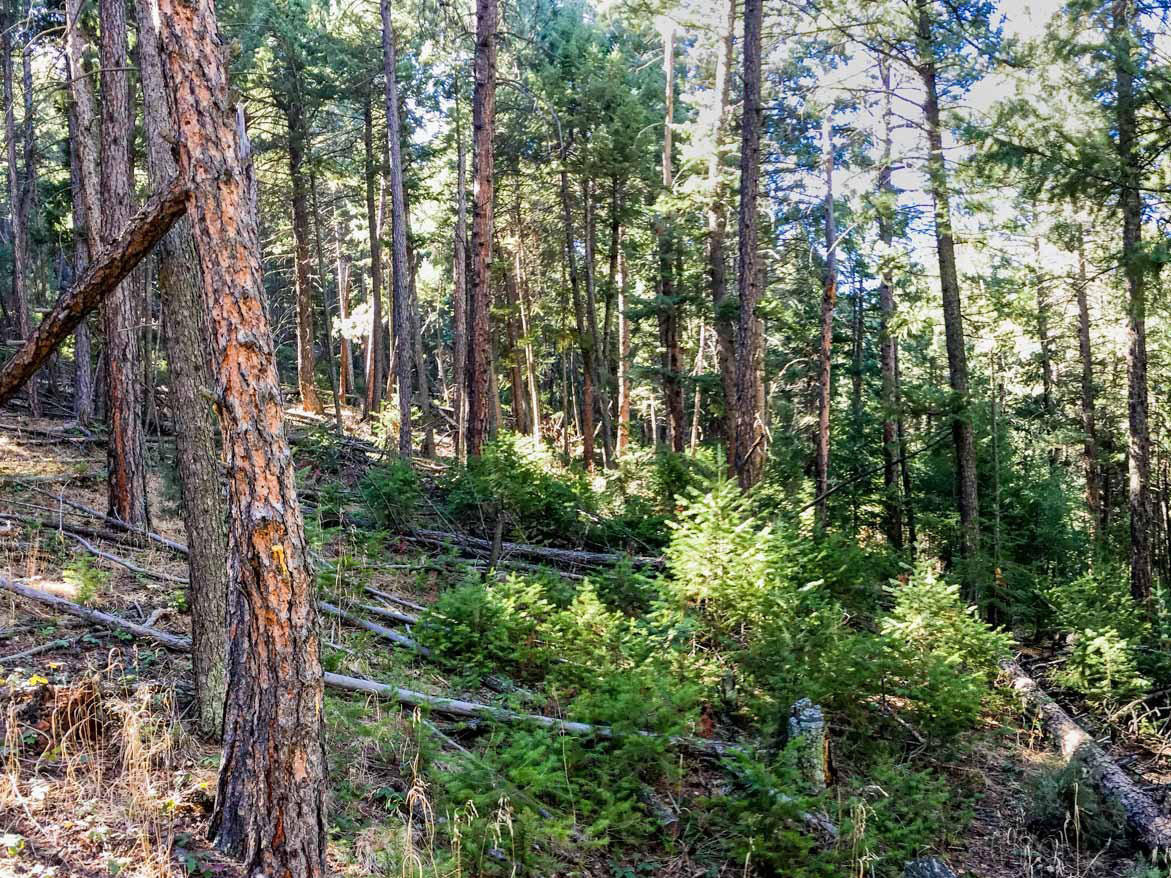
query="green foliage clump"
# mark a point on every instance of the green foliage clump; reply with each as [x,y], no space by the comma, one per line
[392,493]
[89,579]
[1102,666]
[1063,801]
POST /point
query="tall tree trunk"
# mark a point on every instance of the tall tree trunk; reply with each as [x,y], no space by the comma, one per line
[888,342]
[83,376]
[591,315]
[1090,439]
[579,317]
[829,299]
[519,395]
[1130,201]
[668,309]
[185,320]
[697,401]
[459,292]
[717,225]
[623,357]
[859,339]
[483,125]
[327,318]
[957,359]
[270,802]
[374,375]
[1043,332]
[298,132]
[346,354]
[525,306]
[126,453]
[18,202]
[400,269]
[749,461]
[422,378]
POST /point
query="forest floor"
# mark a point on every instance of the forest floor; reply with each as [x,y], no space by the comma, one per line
[103,774]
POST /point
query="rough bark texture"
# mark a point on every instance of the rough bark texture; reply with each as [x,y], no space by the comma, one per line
[18,199]
[1150,825]
[1089,428]
[270,803]
[957,358]
[106,272]
[829,298]
[459,293]
[749,460]
[1130,202]
[185,324]
[126,454]
[400,269]
[483,125]
[623,357]
[374,375]
[717,224]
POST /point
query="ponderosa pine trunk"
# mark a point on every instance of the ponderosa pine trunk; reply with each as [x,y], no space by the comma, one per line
[83,381]
[126,455]
[18,201]
[298,144]
[829,298]
[1123,38]
[717,227]
[400,269]
[749,460]
[374,354]
[270,802]
[1089,428]
[188,334]
[459,292]
[967,490]
[888,342]
[671,361]
[483,124]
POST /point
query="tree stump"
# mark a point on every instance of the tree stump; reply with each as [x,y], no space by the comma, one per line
[807,727]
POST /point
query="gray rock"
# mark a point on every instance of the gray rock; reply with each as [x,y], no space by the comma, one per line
[807,726]
[928,867]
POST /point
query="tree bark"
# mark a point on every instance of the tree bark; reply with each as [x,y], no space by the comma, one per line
[326,317]
[749,461]
[524,306]
[189,355]
[957,359]
[601,377]
[668,308]
[18,202]
[1130,203]
[459,292]
[125,452]
[374,375]
[400,269]
[298,135]
[270,803]
[717,225]
[1089,428]
[623,442]
[345,353]
[108,269]
[483,125]
[829,299]
[583,336]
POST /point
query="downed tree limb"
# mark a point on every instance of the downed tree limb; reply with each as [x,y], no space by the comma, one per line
[41,649]
[395,599]
[115,523]
[1151,826]
[568,557]
[122,562]
[105,272]
[374,628]
[388,613]
[172,641]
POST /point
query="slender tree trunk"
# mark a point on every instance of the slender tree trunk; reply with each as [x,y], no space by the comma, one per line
[579,316]
[1130,202]
[327,318]
[829,299]
[185,321]
[888,344]
[623,355]
[126,453]
[346,355]
[957,359]
[697,401]
[519,396]
[19,201]
[459,293]
[270,803]
[749,462]
[374,375]
[525,306]
[483,126]
[859,339]
[298,133]
[717,224]
[398,230]
[422,378]
[1043,333]
[1090,438]
[591,316]
[668,309]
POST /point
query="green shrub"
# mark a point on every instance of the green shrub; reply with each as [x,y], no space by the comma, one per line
[1102,666]
[392,493]
[1063,800]
[1098,600]
[89,579]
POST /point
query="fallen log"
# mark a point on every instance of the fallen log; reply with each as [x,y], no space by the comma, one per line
[1150,825]
[374,628]
[122,562]
[548,554]
[115,523]
[409,697]
[388,613]
[395,599]
[104,273]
